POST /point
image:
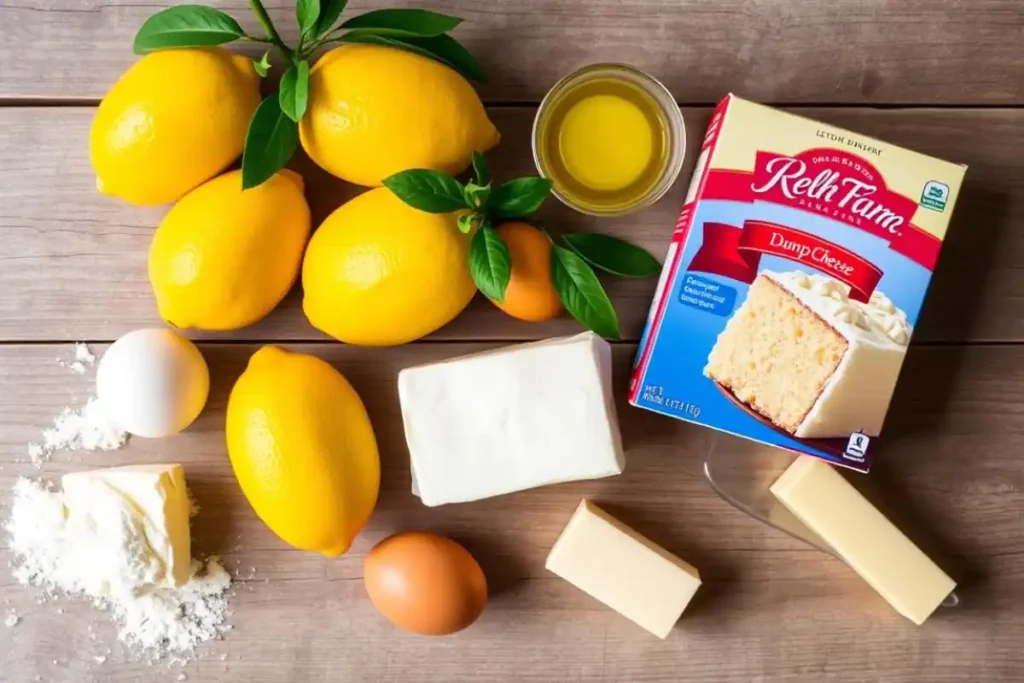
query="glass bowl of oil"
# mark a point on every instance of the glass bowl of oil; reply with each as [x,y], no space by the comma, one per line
[610,138]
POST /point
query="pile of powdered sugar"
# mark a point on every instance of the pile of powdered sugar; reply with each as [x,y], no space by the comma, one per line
[84,429]
[115,573]
[78,429]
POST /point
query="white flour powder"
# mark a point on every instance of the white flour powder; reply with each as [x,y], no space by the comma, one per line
[82,360]
[86,429]
[51,552]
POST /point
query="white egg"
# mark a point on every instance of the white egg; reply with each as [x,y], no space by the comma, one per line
[152,382]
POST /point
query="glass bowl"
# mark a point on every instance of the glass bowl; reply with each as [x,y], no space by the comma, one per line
[669,115]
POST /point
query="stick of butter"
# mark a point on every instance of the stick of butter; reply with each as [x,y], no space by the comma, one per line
[609,561]
[116,504]
[872,545]
[511,419]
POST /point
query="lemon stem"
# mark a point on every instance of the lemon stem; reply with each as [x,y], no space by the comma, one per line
[268,27]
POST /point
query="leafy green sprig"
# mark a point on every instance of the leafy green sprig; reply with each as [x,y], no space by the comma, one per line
[273,133]
[481,207]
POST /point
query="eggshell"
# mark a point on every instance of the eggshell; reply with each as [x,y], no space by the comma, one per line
[425,583]
[152,382]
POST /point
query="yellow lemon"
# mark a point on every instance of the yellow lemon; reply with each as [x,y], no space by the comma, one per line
[375,111]
[303,450]
[378,272]
[174,120]
[223,258]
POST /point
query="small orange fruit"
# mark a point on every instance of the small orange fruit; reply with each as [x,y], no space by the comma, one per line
[530,294]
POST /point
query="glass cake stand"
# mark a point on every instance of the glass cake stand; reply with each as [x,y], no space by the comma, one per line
[741,472]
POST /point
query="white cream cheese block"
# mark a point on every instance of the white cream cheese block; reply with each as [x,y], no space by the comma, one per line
[140,515]
[511,419]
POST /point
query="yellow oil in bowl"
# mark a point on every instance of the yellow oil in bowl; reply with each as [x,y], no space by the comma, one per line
[610,139]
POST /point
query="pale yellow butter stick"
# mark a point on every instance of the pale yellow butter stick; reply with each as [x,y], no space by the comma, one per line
[872,545]
[614,564]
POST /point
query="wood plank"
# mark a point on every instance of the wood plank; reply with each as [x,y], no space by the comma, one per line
[73,263]
[846,51]
[951,464]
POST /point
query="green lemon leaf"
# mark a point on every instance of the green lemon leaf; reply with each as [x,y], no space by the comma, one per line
[581,293]
[330,10]
[403,23]
[269,144]
[613,255]
[490,264]
[262,65]
[294,91]
[447,50]
[444,49]
[186,26]
[520,197]
[307,12]
[466,222]
[480,171]
[476,195]
[430,191]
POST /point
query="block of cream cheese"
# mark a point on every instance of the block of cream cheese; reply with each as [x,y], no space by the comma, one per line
[609,561]
[118,503]
[872,545]
[511,419]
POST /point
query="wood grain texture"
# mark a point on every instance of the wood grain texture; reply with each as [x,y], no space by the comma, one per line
[771,609]
[844,51]
[73,263]
[73,266]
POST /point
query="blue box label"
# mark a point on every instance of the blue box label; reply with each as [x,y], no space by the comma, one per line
[707,295]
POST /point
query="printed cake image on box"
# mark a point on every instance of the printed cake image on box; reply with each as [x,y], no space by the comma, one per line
[793,283]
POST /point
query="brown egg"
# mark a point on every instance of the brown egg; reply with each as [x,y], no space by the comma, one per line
[425,583]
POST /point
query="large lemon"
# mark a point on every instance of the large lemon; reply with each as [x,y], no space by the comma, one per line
[378,272]
[374,111]
[303,450]
[174,120]
[223,258]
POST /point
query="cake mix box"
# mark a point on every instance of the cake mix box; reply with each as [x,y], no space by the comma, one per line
[793,283]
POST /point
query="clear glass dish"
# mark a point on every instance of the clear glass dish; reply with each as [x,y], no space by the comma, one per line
[741,472]
[675,130]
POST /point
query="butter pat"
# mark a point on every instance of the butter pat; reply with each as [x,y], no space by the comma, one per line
[511,419]
[883,556]
[609,561]
[139,515]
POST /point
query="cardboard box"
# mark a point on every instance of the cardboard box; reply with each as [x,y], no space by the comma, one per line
[793,283]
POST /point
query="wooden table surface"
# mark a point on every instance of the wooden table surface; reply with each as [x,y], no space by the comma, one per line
[945,77]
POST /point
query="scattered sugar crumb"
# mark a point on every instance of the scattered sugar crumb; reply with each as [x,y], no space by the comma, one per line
[12,619]
[193,506]
[223,657]
[99,659]
[83,359]
[182,677]
[83,354]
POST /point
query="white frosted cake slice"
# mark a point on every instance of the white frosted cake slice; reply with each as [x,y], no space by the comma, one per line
[815,362]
